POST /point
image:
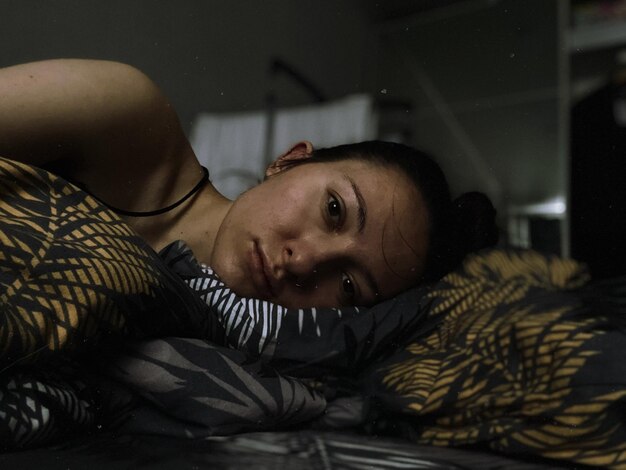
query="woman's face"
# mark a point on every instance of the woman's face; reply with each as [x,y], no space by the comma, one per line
[324,235]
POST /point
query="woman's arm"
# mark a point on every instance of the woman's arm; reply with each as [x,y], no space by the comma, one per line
[99,122]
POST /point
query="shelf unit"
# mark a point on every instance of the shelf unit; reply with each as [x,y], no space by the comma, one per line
[589,38]
[578,43]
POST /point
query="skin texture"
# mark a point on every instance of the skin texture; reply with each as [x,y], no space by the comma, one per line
[293,239]
[296,239]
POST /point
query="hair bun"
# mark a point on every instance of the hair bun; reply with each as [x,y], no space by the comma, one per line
[475,219]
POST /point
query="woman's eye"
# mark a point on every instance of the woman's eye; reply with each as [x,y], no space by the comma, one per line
[333,207]
[347,287]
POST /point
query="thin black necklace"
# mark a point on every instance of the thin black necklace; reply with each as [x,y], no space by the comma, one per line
[204,180]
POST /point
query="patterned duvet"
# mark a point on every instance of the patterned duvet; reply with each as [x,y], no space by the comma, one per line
[514,353]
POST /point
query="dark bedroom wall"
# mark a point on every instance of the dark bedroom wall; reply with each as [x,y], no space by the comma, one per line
[495,67]
[206,54]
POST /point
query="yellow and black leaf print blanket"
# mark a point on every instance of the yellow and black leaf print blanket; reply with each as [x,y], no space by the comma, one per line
[72,273]
[525,359]
[514,353]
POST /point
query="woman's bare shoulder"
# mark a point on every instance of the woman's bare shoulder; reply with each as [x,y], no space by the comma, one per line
[81,110]
[103,123]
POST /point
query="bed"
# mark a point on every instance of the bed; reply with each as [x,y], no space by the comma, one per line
[113,355]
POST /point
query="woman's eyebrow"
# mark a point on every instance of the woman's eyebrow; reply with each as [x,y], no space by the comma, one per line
[361,208]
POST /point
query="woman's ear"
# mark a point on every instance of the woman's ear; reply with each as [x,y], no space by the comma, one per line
[300,151]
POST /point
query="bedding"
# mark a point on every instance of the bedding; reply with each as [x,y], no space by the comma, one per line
[292,450]
[72,273]
[514,353]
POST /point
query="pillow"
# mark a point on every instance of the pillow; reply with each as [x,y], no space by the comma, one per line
[307,341]
[525,361]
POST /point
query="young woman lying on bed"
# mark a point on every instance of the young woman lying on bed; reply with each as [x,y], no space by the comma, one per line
[507,353]
[351,225]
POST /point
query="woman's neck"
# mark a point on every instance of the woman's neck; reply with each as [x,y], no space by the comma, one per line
[211,214]
[196,222]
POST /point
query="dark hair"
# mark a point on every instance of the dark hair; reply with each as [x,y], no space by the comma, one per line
[456,227]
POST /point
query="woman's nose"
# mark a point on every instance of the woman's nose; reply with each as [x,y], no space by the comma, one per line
[300,259]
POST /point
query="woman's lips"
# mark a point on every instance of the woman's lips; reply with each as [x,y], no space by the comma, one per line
[260,276]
